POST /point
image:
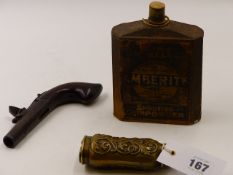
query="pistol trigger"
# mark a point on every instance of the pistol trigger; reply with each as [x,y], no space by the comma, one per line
[17,113]
[16,119]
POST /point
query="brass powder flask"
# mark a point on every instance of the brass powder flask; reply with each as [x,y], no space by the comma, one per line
[104,151]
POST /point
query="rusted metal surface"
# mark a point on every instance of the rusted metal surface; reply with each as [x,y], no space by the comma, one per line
[157,71]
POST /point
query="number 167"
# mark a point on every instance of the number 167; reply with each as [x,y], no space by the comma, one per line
[198,165]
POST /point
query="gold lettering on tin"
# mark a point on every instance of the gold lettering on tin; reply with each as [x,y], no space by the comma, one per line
[158,80]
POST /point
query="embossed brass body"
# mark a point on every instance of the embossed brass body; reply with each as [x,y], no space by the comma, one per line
[157,69]
[103,151]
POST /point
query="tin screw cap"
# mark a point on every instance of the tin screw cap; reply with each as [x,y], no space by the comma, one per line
[157,17]
[157,12]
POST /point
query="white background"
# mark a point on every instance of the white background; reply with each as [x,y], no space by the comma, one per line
[47,43]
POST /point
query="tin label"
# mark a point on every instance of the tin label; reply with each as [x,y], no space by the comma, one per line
[155,84]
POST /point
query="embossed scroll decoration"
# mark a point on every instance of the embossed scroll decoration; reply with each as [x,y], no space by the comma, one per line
[103,144]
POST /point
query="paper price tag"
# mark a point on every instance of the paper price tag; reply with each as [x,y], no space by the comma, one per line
[191,161]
